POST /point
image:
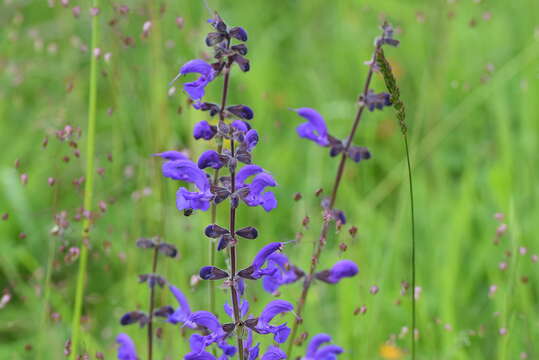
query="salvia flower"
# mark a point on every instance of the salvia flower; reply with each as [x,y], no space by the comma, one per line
[315,128]
[284,273]
[274,308]
[256,195]
[274,353]
[195,89]
[183,312]
[210,158]
[203,130]
[315,350]
[255,271]
[126,350]
[341,269]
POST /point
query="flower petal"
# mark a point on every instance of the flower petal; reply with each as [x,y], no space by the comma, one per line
[183,311]
[274,308]
[203,130]
[274,353]
[315,343]
[315,129]
[342,269]
[187,171]
[126,350]
[210,158]
[246,172]
[206,319]
[263,254]
[172,155]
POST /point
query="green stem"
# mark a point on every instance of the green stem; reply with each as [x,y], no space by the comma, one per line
[88,191]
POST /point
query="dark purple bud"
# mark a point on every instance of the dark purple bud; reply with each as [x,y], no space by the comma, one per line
[238,33]
[339,216]
[251,323]
[134,317]
[212,273]
[248,232]
[145,243]
[214,231]
[164,311]
[241,111]
[152,280]
[224,241]
[228,328]
[247,273]
[214,38]
[358,153]
[243,156]
[167,250]
[220,193]
[210,158]
[242,62]
[212,108]
[217,23]
[223,128]
[376,101]
[240,49]
[203,130]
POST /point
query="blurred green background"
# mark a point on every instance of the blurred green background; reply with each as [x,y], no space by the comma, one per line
[469,77]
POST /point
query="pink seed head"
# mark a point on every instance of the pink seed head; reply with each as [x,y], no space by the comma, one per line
[94,11]
[51,181]
[76,11]
[24,179]
[535,258]
[503,331]
[374,289]
[502,266]
[522,250]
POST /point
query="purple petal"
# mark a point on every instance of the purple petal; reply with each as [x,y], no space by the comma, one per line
[206,319]
[280,334]
[315,343]
[263,254]
[342,269]
[203,130]
[328,352]
[172,155]
[188,171]
[251,139]
[186,199]
[195,89]
[240,125]
[204,355]
[182,313]
[197,66]
[210,158]
[197,342]
[274,353]
[315,129]
[126,350]
[246,172]
[274,308]
[254,351]
[269,202]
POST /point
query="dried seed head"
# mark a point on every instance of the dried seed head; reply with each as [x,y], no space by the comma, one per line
[297,196]
[374,289]
[24,179]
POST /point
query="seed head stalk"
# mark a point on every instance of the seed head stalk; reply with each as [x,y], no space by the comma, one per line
[326,220]
[88,190]
[152,304]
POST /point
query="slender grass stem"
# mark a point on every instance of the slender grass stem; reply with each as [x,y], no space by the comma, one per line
[325,225]
[88,190]
[152,304]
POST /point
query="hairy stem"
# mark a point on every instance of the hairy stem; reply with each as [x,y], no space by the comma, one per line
[152,304]
[88,191]
[327,218]
[233,258]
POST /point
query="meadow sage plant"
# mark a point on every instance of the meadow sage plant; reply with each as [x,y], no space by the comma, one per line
[245,184]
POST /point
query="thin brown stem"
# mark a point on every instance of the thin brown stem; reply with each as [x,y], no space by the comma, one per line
[152,305]
[327,213]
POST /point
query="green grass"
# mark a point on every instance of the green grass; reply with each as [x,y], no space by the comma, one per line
[473,141]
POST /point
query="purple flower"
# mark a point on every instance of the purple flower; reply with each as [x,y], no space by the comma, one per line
[315,128]
[255,271]
[172,155]
[284,273]
[239,33]
[126,350]
[328,352]
[262,180]
[376,101]
[203,355]
[341,269]
[203,130]
[206,319]
[210,158]
[240,125]
[274,353]
[186,200]
[195,89]
[246,172]
[275,307]
[244,308]
[182,313]
[251,139]
[252,351]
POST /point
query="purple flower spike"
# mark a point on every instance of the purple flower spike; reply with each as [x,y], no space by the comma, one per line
[315,128]
[126,350]
[341,269]
[274,353]
[210,158]
[195,89]
[328,352]
[182,313]
[172,155]
[203,130]
[275,307]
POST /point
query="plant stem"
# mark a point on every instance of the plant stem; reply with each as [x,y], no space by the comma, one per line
[233,259]
[88,190]
[152,302]
[325,226]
